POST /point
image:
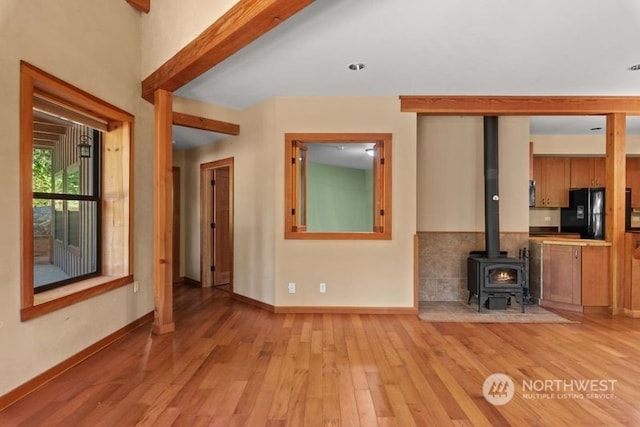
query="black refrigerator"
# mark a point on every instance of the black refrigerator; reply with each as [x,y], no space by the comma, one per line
[585,214]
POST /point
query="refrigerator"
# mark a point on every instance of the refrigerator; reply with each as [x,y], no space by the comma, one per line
[585,214]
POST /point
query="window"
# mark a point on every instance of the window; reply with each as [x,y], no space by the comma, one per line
[67,237]
[337,186]
[74,150]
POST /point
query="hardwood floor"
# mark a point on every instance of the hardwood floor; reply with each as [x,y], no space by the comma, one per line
[232,364]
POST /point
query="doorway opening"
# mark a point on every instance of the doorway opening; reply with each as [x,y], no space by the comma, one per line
[216,224]
[175,197]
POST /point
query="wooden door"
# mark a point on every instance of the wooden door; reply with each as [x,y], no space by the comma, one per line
[221,227]
[561,273]
[176,225]
[581,172]
[599,175]
[633,180]
[557,181]
[595,276]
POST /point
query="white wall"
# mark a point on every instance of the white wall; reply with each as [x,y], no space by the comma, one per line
[171,25]
[357,273]
[94,45]
[579,145]
[451,178]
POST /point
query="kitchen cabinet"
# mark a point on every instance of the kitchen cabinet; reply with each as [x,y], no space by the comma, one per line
[631,295]
[575,276]
[633,180]
[587,172]
[552,176]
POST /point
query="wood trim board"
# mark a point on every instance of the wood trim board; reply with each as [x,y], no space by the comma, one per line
[243,23]
[202,123]
[519,105]
[43,378]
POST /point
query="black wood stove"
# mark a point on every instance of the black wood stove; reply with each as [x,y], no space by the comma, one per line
[492,276]
[495,280]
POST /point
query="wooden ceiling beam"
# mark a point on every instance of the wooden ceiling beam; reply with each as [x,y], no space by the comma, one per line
[54,108]
[141,5]
[49,128]
[242,24]
[43,136]
[519,105]
[202,123]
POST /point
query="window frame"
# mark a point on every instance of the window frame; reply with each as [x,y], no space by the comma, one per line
[381,181]
[116,257]
[66,197]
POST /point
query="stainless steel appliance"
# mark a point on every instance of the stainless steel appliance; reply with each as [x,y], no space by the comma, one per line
[585,214]
[532,193]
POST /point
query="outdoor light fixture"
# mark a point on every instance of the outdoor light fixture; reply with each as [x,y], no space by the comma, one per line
[84,147]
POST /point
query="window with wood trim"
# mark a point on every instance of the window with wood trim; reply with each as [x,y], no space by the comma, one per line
[337,186]
[75,193]
[66,200]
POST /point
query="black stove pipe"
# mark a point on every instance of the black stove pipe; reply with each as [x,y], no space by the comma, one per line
[491,198]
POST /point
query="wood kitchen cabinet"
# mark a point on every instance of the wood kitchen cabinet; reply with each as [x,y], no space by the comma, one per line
[553,177]
[633,180]
[587,172]
[575,277]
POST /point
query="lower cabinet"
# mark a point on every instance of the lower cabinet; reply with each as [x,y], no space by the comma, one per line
[575,277]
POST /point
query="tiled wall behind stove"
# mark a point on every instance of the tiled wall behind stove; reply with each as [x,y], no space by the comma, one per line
[443,261]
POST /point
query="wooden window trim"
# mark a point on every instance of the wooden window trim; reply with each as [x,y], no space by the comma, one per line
[382,187]
[117,207]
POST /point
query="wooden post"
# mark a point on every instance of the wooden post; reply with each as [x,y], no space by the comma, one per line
[162,223]
[615,205]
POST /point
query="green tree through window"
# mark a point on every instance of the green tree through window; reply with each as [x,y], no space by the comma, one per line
[42,176]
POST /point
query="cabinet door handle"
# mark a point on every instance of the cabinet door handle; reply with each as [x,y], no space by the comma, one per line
[576,255]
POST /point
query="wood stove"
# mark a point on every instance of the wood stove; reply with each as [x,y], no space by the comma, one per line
[500,277]
[490,273]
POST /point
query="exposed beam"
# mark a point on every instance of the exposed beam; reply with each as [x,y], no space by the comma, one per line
[615,205]
[54,108]
[43,136]
[49,128]
[141,5]
[163,209]
[202,123]
[519,105]
[242,24]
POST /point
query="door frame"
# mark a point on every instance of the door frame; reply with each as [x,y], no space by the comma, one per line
[206,212]
[176,200]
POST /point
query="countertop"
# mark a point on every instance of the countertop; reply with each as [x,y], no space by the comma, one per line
[571,242]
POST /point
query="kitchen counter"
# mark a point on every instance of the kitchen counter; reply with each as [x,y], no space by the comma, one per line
[571,242]
[570,274]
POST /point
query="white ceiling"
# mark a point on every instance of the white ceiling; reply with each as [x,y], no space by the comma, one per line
[428,47]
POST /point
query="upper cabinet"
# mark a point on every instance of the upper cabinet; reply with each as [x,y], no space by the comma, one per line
[553,177]
[587,172]
[633,180]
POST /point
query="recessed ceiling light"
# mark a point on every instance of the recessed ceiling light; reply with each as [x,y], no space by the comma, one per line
[597,128]
[356,66]
[635,67]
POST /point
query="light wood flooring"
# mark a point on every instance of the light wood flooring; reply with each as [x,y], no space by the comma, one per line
[233,364]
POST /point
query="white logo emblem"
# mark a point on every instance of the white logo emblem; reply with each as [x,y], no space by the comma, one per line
[498,389]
